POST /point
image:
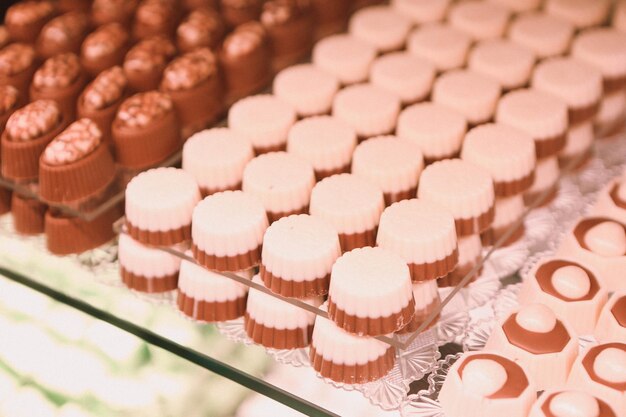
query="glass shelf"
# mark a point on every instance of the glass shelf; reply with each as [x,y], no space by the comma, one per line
[89,283]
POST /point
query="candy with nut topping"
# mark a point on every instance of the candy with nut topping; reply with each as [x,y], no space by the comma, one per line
[113,11]
[193,82]
[155,17]
[145,61]
[237,12]
[246,59]
[289,25]
[104,48]
[64,33]
[101,98]
[330,16]
[17,66]
[10,100]
[27,133]
[76,165]
[540,341]
[201,28]
[482,384]
[4,36]
[25,19]
[61,79]
[145,130]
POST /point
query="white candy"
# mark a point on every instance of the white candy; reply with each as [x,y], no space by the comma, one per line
[574,404]
[483,377]
[610,365]
[536,318]
[607,239]
[571,281]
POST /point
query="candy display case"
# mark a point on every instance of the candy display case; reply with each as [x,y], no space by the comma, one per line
[331,223]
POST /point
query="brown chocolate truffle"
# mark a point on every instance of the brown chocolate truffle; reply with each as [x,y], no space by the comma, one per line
[331,16]
[289,24]
[155,17]
[17,66]
[201,28]
[145,130]
[104,48]
[28,215]
[100,100]
[192,81]
[4,36]
[25,19]
[27,133]
[64,33]
[145,62]
[66,235]
[10,100]
[76,165]
[113,11]
[245,59]
[237,12]
[73,5]
[61,79]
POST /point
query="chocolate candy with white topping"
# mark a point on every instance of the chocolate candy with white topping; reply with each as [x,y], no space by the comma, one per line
[331,16]
[25,19]
[145,130]
[104,48]
[4,36]
[17,66]
[27,133]
[193,82]
[76,165]
[246,60]
[155,17]
[61,79]
[100,100]
[10,100]
[237,12]
[289,24]
[113,11]
[201,28]
[145,62]
[64,33]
